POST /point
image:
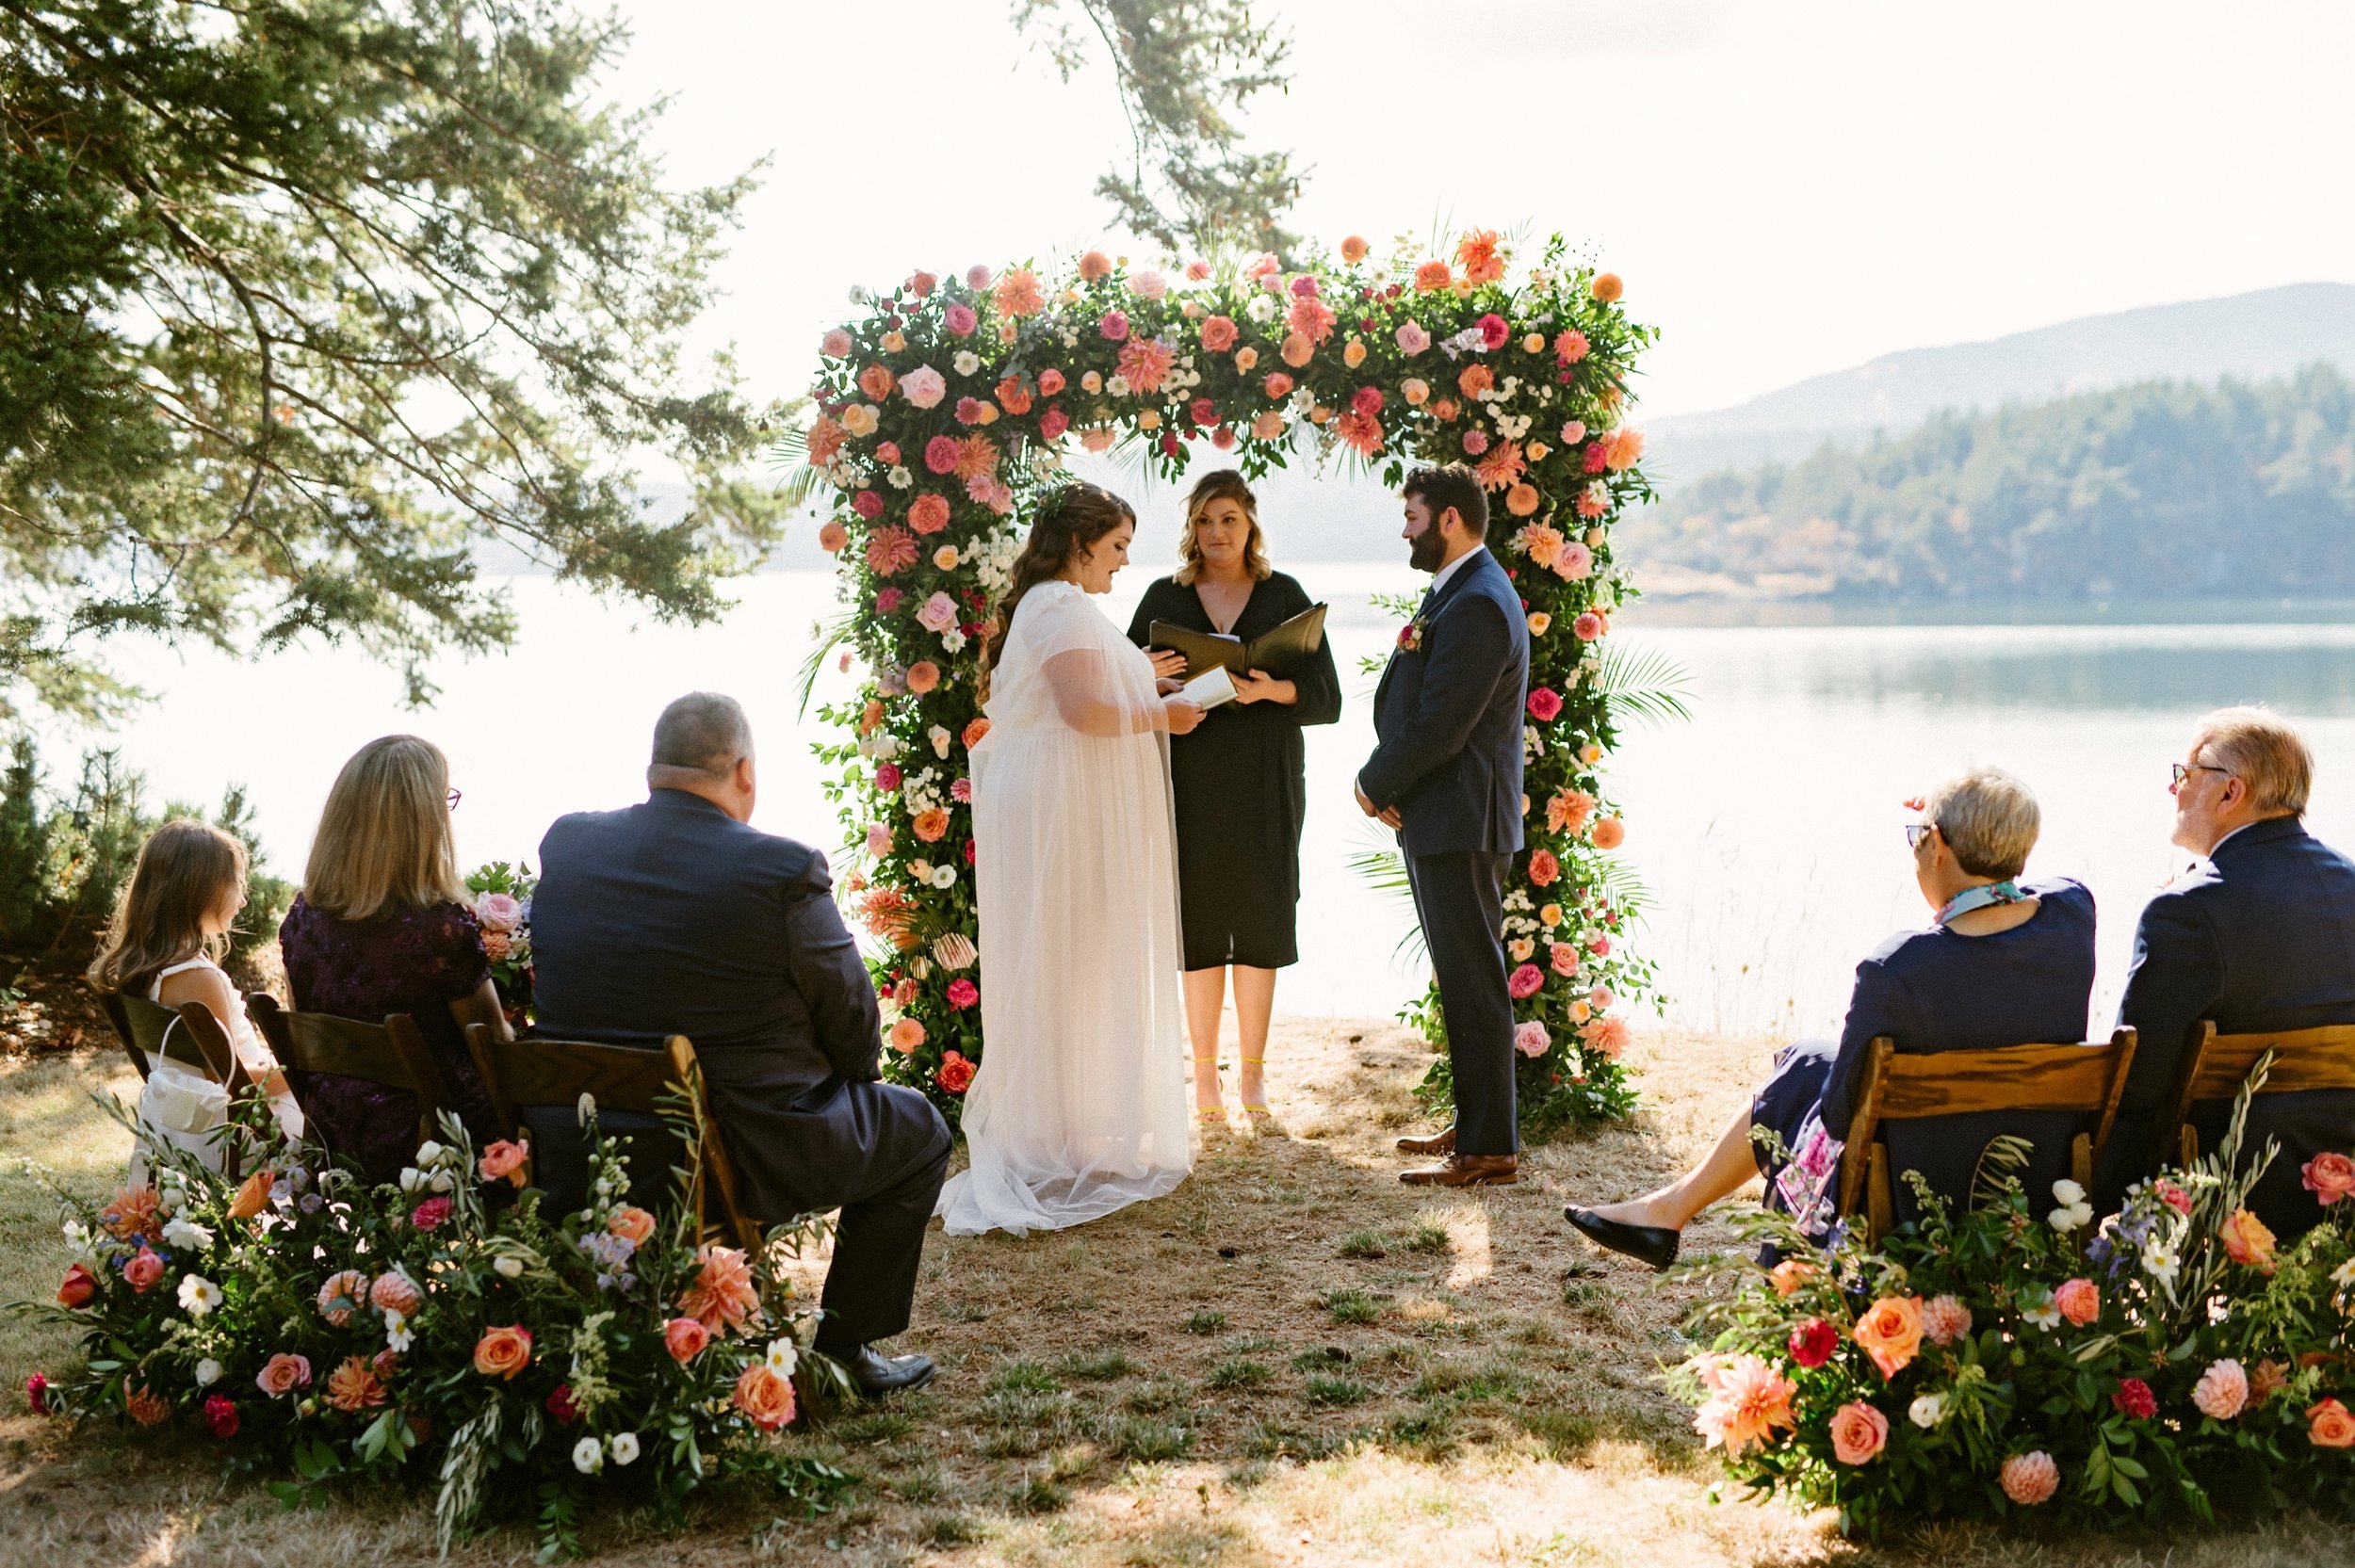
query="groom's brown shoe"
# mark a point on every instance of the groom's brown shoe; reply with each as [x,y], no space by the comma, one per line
[1439,1143]
[1467,1171]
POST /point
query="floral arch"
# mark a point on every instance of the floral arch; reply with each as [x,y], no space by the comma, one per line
[952,402]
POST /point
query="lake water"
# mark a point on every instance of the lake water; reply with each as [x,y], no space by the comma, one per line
[1766,829]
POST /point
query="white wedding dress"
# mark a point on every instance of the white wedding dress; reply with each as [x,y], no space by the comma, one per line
[1081,1105]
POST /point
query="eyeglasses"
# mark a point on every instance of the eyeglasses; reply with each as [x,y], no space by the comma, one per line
[2185,770]
[454,796]
[1917,832]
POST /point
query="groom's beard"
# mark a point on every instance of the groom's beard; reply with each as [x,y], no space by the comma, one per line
[1426,550]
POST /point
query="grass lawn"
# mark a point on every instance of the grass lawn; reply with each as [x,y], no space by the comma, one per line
[1292,1359]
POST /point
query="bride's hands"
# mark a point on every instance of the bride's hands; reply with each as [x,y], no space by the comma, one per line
[1182,714]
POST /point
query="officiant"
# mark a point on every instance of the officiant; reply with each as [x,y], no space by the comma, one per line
[1241,780]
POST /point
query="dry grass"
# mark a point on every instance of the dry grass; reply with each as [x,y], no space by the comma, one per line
[1293,1360]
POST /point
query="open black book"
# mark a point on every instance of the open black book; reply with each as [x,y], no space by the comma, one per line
[1276,652]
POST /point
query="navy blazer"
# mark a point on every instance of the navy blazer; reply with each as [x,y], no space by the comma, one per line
[2262,937]
[1448,719]
[1937,990]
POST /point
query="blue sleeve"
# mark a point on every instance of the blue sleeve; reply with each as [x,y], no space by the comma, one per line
[1879,1005]
[2171,984]
[1456,687]
[830,973]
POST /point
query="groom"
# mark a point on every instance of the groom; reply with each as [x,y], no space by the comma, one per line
[1446,773]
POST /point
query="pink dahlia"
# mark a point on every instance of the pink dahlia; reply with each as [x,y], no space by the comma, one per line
[2223,1390]
[2030,1478]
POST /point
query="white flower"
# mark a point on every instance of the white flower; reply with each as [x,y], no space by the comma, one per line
[442,1181]
[900,477]
[1070,338]
[944,876]
[207,1372]
[2343,1275]
[2074,1217]
[429,1153]
[2068,1193]
[1261,309]
[1117,386]
[940,738]
[76,1237]
[2160,1261]
[397,1334]
[197,1294]
[623,1446]
[2044,1313]
[952,639]
[411,1178]
[784,1355]
[966,363]
[508,1267]
[170,1197]
[588,1456]
[1927,1411]
[187,1233]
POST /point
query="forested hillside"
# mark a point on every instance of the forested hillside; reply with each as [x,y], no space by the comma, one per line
[2162,489]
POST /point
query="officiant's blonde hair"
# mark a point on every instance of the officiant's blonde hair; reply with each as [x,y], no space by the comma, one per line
[1225,484]
[384,841]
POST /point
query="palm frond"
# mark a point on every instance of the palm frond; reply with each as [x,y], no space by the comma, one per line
[1625,885]
[1385,868]
[831,635]
[1999,1168]
[1643,684]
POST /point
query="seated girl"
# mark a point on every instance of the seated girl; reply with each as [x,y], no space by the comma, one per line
[171,920]
[2000,964]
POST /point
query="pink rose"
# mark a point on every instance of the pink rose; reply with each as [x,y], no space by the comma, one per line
[684,1339]
[887,777]
[1494,334]
[1531,1039]
[1053,423]
[920,284]
[959,319]
[1411,338]
[2328,1177]
[1576,561]
[1562,957]
[878,840]
[963,993]
[924,387]
[1858,1432]
[1114,325]
[2030,1478]
[1145,283]
[1367,401]
[888,601]
[504,1161]
[143,1272]
[1545,705]
[1526,982]
[938,614]
[941,454]
[497,912]
[2079,1301]
[836,343]
[2223,1390]
[283,1374]
[1219,333]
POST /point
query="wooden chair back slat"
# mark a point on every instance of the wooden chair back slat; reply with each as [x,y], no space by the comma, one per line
[392,1055]
[2086,1078]
[543,1071]
[188,1034]
[2216,1065]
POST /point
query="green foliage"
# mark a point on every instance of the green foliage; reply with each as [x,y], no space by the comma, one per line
[303,305]
[1183,67]
[64,857]
[2161,489]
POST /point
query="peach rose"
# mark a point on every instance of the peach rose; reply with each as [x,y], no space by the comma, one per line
[1475,379]
[506,1160]
[2030,1478]
[1267,425]
[631,1223]
[1219,333]
[396,1292]
[142,1272]
[974,732]
[2247,1240]
[2079,1302]
[923,675]
[1539,623]
[252,1197]
[1791,1273]
[1610,833]
[1433,275]
[1858,1432]
[1354,353]
[503,1352]
[79,1288]
[906,1035]
[1353,249]
[2329,1425]
[2328,1177]
[932,825]
[283,1374]
[1297,350]
[684,1339]
[1890,1332]
[765,1396]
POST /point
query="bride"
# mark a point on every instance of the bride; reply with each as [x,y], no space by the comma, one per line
[1079,1105]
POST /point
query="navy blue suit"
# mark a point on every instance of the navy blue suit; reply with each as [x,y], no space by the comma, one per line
[1448,719]
[2262,937]
[671,917]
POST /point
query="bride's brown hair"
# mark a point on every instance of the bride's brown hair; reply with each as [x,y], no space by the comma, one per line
[1067,522]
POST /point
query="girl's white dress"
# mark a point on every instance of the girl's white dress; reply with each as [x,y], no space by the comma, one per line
[182,1107]
[1081,1103]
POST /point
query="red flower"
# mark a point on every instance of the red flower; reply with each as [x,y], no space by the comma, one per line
[1204,411]
[79,1286]
[1543,867]
[968,411]
[37,1393]
[429,1214]
[963,993]
[220,1413]
[867,504]
[1598,458]
[1050,381]
[888,601]
[1368,399]
[1545,705]
[560,1404]
[941,453]
[1053,423]
[1526,982]
[1812,1342]
[2134,1400]
[1493,332]
[955,1074]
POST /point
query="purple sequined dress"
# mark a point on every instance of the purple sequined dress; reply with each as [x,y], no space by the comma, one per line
[416,962]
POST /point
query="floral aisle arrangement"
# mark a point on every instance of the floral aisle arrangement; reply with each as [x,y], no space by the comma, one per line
[502,907]
[951,402]
[443,1330]
[2020,1360]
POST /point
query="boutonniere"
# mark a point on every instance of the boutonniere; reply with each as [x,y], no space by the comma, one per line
[1411,635]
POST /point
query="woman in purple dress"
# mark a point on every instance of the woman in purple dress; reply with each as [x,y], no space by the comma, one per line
[383,926]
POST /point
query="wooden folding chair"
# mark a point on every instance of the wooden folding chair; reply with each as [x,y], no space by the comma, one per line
[2216,1065]
[542,1072]
[391,1053]
[1905,1088]
[188,1034]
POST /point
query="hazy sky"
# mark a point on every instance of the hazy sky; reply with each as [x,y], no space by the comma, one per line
[1788,189]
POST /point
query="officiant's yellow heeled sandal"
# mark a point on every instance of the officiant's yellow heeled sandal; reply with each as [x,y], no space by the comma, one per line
[1260,1111]
[1211,1116]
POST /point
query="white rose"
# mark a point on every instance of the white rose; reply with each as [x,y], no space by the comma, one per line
[2068,1193]
[428,1152]
[207,1372]
[508,1267]
[187,1233]
[1927,1411]
[588,1456]
[623,1446]
[411,1178]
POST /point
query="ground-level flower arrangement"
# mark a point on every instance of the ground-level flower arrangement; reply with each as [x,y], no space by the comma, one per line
[443,1330]
[2016,1359]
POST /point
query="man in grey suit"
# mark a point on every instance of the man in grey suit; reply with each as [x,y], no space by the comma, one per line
[676,916]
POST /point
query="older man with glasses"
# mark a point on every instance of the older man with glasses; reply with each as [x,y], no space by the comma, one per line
[2260,935]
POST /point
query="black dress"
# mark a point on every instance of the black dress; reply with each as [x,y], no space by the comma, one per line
[1241,781]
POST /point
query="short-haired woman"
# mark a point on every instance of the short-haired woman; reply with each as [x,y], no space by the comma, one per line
[2000,964]
[1241,781]
[169,927]
[383,926]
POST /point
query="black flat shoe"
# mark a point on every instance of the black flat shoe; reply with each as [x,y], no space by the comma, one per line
[880,1374]
[1652,1244]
